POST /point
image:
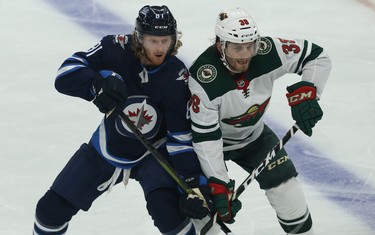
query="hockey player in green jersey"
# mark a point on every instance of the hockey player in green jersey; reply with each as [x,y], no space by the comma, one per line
[231,84]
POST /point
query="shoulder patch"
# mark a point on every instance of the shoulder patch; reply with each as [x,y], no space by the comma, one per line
[206,73]
[121,39]
[183,75]
[265,46]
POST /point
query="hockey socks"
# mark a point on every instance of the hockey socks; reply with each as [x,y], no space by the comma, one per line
[300,225]
[41,229]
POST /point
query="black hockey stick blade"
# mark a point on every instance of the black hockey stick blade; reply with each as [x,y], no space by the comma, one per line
[211,223]
[208,225]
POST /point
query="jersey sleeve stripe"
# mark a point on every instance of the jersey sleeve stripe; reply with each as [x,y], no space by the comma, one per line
[315,53]
[182,137]
[68,69]
[174,149]
[201,137]
[305,46]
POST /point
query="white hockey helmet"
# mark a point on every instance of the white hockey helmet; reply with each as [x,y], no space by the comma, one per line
[237,26]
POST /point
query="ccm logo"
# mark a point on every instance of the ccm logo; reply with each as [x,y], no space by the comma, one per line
[296,98]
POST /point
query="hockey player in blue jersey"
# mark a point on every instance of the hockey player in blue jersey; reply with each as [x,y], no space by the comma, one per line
[139,75]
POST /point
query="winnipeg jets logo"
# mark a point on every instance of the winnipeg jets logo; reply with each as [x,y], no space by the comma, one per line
[183,75]
[144,116]
[121,39]
[140,117]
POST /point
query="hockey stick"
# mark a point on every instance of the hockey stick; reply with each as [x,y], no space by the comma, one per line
[161,159]
[158,156]
[265,162]
[255,172]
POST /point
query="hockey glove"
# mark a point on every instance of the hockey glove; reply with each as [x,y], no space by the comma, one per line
[222,192]
[306,110]
[199,204]
[109,89]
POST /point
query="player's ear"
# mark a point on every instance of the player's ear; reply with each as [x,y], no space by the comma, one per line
[218,46]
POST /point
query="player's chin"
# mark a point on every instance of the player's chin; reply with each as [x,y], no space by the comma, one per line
[243,67]
[157,60]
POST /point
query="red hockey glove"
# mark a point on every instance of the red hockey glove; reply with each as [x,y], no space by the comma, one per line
[305,108]
[222,192]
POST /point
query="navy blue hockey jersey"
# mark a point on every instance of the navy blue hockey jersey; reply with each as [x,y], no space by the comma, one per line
[157,104]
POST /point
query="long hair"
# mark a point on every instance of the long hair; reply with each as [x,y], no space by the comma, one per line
[139,50]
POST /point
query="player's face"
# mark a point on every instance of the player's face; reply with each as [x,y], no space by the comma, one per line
[156,48]
[239,55]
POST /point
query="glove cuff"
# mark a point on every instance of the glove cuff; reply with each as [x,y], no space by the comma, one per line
[97,83]
[217,186]
[301,94]
[217,189]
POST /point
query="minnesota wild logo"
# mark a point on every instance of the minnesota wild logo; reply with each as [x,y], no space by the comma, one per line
[206,73]
[265,46]
[250,117]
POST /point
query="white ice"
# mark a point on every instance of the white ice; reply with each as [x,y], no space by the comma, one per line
[40,129]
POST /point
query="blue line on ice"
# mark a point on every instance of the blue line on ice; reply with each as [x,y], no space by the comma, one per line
[332,180]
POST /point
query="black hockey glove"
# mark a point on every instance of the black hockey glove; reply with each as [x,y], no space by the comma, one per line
[199,204]
[306,110]
[110,90]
